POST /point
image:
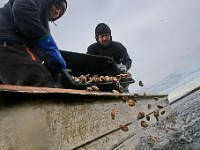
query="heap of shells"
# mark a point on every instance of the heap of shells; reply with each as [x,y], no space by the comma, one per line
[96,78]
[93,88]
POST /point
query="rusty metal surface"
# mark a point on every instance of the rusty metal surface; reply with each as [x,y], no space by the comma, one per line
[68,119]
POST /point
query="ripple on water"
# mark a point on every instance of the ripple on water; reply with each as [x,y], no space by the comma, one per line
[182,135]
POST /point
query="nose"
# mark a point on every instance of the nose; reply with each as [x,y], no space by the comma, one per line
[59,11]
[104,37]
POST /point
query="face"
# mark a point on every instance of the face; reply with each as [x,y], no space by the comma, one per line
[56,11]
[104,39]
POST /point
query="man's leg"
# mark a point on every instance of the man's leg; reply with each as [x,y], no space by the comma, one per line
[18,66]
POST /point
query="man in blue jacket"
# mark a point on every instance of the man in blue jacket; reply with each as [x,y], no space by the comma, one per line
[26,42]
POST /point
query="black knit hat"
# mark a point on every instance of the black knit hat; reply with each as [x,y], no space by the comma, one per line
[102,28]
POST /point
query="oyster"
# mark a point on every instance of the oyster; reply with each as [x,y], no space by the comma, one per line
[148,117]
[77,80]
[114,79]
[153,139]
[162,112]
[89,89]
[113,113]
[115,91]
[144,124]
[141,115]
[124,99]
[95,88]
[141,83]
[131,102]
[83,78]
[123,127]
[156,114]
[149,106]
[160,107]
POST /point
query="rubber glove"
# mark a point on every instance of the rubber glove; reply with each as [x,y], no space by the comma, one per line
[122,67]
[50,48]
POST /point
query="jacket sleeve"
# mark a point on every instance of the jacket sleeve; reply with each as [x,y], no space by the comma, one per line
[91,50]
[124,57]
[27,15]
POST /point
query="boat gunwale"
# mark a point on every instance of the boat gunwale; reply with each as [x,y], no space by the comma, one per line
[46,90]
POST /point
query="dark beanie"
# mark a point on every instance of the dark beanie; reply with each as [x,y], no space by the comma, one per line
[102,28]
[63,4]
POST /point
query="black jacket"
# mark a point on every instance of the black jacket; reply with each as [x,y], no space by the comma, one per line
[25,20]
[115,50]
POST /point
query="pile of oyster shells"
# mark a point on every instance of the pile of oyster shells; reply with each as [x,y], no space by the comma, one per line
[96,78]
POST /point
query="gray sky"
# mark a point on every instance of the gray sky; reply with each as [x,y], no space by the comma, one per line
[161,36]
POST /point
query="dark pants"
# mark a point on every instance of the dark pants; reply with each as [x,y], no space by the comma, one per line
[19,66]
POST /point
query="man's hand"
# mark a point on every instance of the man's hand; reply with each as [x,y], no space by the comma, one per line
[122,67]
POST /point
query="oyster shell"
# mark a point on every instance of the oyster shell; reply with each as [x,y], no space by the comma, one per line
[123,127]
[131,102]
[144,124]
[113,113]
[141,115]
[149,106]
[95,88]
[160,107]
[89,89]
[124,99]
[141,83]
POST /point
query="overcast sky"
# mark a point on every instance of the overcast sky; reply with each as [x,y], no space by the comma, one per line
[161,36]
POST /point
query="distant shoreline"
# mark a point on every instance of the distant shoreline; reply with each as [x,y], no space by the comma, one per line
[185,95]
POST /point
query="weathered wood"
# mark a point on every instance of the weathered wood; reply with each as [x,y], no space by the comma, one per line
[46,118]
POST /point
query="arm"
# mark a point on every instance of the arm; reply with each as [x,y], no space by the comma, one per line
[91,50]
[53,54]
[27,14]
[124,57]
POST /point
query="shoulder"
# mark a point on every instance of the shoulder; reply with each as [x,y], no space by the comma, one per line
[118,45]
[91,48]
[92,45]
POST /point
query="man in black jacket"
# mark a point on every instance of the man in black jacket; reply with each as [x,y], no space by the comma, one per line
[106,47]
[28,52]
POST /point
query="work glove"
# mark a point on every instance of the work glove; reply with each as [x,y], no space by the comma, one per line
[50,49]
[122,67]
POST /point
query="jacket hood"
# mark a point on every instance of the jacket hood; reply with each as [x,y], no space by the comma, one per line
[62,3]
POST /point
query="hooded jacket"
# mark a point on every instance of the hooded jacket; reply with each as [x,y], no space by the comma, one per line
[24,21]
[115,50]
